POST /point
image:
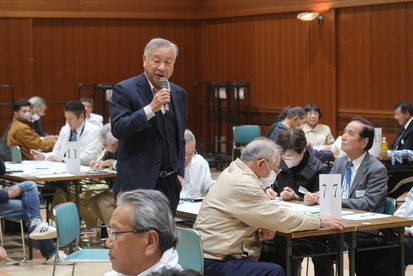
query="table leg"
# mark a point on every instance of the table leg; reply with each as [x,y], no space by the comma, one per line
[288,254]
[352,253]
[340,262]
[400,232]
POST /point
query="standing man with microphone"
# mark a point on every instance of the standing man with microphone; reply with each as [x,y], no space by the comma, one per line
[148,116]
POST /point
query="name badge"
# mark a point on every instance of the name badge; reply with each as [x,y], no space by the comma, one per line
[360,193]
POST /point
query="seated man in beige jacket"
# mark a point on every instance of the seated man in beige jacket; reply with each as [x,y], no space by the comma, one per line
[22,133]
[236,214]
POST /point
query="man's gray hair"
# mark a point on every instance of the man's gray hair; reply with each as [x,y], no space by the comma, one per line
[37,102]
[159,43]
[151,210]
[260,148]
[189,136]
[296,111]
[105,134]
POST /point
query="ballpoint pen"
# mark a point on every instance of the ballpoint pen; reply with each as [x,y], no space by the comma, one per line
[367,215]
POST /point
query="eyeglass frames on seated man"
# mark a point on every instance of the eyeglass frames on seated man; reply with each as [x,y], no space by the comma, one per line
[112,234]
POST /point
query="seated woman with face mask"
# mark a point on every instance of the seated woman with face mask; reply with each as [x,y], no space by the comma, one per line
[298,166]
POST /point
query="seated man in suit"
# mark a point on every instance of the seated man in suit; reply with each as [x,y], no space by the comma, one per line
[403,113]
[364,179]
[22,134]
[92,118]
[236,214]
[142,235]
[197,179]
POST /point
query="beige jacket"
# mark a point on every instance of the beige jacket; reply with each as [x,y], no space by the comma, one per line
[235,208]
[319,136]
[22,134]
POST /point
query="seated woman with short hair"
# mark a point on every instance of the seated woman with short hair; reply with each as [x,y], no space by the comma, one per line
[299,167]
[316,134]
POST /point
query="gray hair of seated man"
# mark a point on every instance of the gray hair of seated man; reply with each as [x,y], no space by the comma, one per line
[189,136]
[159,43]
[37,102]
[151,211]
[260,148]
[105,134]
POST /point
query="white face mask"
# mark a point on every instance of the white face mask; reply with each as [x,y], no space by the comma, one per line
[35,117]
[268,181]
[26,116]
[292,161]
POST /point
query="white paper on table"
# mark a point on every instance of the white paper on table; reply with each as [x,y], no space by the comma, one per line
[364,216]
[190,207]
[54,175]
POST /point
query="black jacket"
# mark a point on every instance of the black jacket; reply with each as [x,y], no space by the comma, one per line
[305,174]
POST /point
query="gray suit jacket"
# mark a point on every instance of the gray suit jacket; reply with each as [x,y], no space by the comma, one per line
[369,188]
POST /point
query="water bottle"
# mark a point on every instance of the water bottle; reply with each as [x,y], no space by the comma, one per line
[384,147]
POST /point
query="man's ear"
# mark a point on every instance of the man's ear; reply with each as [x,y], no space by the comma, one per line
[152,242]
[365,142]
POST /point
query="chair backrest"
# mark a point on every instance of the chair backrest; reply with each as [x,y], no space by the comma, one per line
[245,134]
[16,155]
[67,223]
[390,206]
[190,251]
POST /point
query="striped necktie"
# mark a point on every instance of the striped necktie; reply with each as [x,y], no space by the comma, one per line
[73,136]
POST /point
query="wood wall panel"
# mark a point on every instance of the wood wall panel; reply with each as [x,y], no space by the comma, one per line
[16,63]
[162,9]
[353,58]
[322,68]
[409,52]
[67,52]
[236,8]
[295,62]
[388,56]
[357,63]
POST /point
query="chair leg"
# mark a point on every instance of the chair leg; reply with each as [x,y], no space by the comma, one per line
[23,240]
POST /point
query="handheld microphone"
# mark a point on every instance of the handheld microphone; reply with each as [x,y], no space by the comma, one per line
[163,82]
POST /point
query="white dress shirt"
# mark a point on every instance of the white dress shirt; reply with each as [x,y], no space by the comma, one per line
[95,119]
[88,138]
[197,179]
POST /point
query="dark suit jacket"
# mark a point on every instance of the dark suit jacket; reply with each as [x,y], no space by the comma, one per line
[407,138]
[369,188]
[140,141]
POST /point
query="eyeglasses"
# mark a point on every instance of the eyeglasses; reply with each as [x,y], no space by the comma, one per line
[112,234]
[277,170]
[191,155]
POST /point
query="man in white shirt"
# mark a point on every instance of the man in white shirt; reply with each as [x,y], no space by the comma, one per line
[93,118]
[76,129]
[197,179]
[87,134]
[140,240]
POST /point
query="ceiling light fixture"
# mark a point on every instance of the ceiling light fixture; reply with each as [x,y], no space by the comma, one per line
[309,16]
